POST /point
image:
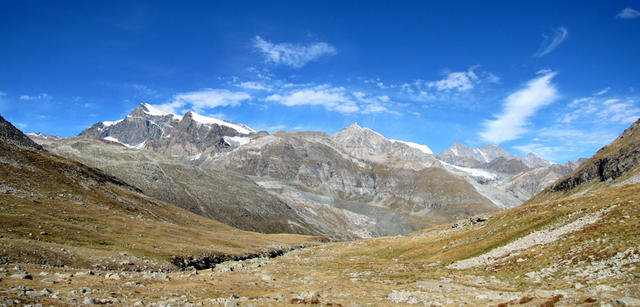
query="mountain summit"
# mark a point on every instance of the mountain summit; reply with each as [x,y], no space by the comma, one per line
[463,155]
[187,136]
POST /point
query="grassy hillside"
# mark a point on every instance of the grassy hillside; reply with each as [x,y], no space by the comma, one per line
[59,212]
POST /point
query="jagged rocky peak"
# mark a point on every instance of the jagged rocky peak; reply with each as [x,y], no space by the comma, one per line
[365,143]
[10,134]
[463,155]
[533,161]
[356,133]
[459,149]
[145,109]
[187,136]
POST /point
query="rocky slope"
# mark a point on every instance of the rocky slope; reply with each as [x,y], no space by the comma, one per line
[223,195]
[366,144]
[609,163]
[404,193]
[506,179]
[56,212]
[462,155]
[10,134]
[357,175]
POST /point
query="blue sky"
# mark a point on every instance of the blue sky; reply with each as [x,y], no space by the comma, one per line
[559,79]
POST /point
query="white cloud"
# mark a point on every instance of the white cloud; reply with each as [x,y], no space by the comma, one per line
[258,86]
[206,98]
[42,96]
[3,93]
[518,108]
[628,13]
[293,55]
[460,81]
[372,105]
[601,109]
[453,84]
[603,91]
[616,111]
[552,41]
[331,98]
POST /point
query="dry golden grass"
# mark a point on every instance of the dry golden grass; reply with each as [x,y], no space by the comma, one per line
[58,203]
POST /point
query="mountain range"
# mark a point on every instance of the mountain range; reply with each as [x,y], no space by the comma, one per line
[111,242]
[353,184]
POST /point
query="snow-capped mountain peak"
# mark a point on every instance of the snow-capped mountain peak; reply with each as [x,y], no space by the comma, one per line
[187,135]
[465,155]
[214,121]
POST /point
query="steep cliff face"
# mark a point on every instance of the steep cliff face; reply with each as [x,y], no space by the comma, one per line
[610,162]
[502,165]
[535,180]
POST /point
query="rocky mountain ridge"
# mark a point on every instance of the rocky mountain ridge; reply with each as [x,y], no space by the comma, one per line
[10,134]
[355,183]
[314,163]
[189,136]
[609,163]
[463,155]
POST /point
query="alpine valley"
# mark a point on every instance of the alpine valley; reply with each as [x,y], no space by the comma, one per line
[350,185]
[164,210]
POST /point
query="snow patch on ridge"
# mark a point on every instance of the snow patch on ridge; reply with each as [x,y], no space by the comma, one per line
[209,120]
[484,156]
[473,171]
[236,141]
[112,139]
[423,148]
[111,123]
[151,110]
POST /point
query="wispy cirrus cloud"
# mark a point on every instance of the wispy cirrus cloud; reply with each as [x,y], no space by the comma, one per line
[518,107]
[552,41]
[601,109]
[602,92]
[252,85]
[373,104]
[583,125]
[292,55]
[331,98]
[628,13]
[42,96]
[452,83]
[203,99]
